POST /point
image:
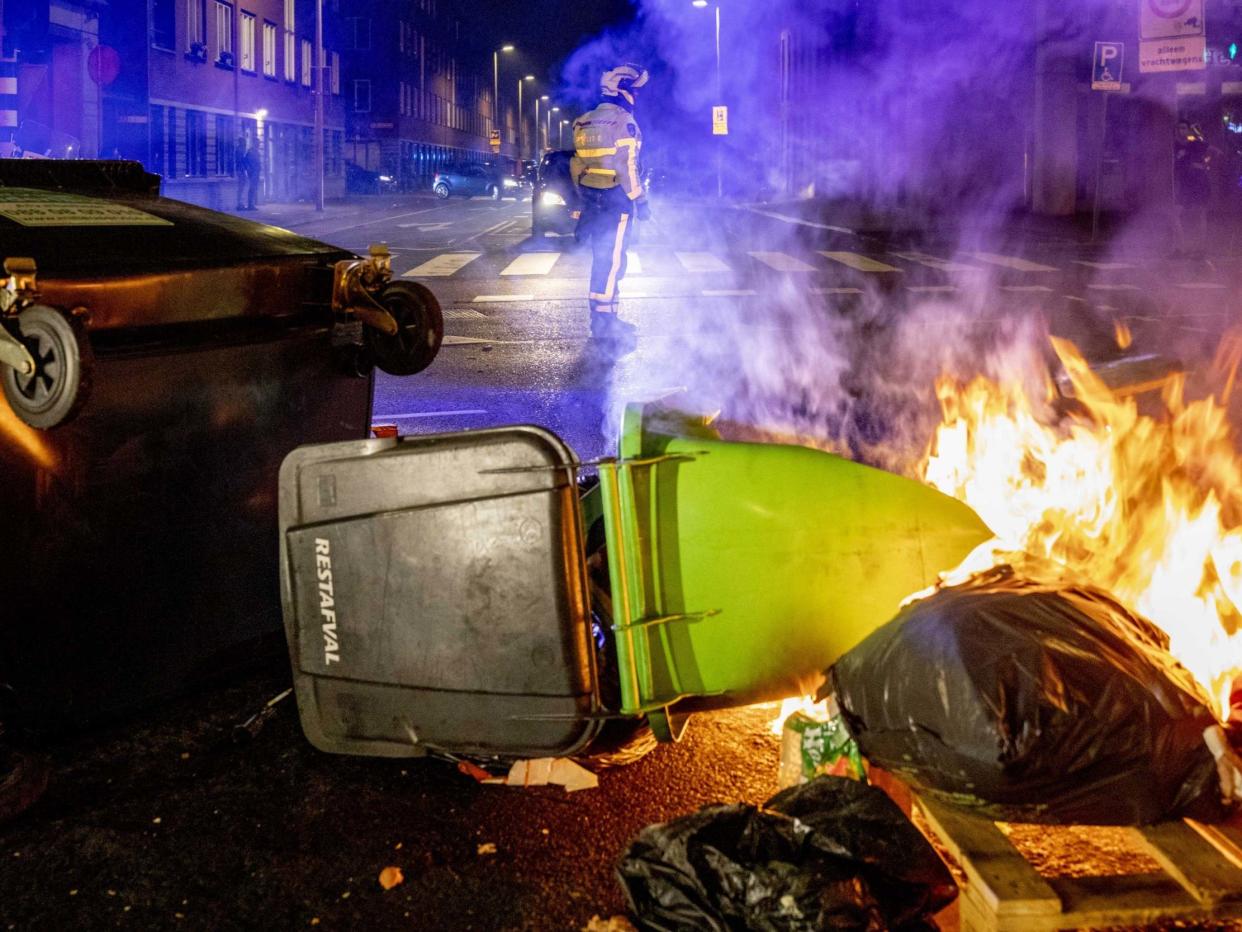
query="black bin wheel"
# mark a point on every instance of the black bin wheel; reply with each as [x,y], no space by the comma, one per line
[60,384]
[420,329]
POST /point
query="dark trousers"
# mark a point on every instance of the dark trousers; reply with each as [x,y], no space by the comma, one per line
[607,222]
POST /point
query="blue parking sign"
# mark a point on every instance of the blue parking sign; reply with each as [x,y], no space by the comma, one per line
[1106,66]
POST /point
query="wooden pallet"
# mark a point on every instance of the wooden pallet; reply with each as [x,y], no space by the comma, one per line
[1201,880]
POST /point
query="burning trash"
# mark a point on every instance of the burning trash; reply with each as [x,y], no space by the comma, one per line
[1034,701]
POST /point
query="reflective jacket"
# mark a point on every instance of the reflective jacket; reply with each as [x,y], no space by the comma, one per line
[608,142]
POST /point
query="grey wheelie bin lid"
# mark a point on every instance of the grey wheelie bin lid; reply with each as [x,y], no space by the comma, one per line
[435,595]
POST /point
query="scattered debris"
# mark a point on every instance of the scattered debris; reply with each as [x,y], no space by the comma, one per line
[815,744]
[1035,698]
[488,847]
[250,728]
[832,854]
[612,924]
[474,770]
[545,771]
[391,877]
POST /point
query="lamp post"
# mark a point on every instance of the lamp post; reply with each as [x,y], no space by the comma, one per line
[719,92]
[496,84]
[561,134]
[521,121]
[538,128]
[319,89]
[547,135]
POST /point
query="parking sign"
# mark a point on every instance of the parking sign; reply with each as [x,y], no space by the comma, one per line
[1107,65]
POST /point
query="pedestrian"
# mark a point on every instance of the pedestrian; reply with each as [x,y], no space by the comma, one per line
[239,169]
[1192,158]
[605,168]
[254,171]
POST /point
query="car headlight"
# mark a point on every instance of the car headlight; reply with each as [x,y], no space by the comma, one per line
[511,183]
[551,199]
[385,177]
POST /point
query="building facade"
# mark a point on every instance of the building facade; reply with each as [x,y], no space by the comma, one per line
[418,95]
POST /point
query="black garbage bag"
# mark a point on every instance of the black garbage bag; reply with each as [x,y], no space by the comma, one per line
[1032,701]
[832,854]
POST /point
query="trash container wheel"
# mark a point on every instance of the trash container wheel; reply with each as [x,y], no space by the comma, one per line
[420,329]
[60,384]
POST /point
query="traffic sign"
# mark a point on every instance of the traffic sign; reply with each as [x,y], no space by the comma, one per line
[103,64]
[720,121]
[1170,19]
[1108,62]
[1184,54]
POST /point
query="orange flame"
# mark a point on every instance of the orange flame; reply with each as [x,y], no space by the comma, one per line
[27,441]
[1122,332]
[1148,509]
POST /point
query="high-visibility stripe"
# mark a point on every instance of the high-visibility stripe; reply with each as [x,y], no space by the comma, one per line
[631,163]
[596,153]
[618,250]
[602,171]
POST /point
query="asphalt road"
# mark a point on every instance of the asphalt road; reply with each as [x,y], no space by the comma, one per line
[165,821]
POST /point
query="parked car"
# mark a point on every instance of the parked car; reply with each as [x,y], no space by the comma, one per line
[359,180]
[555,206]
[157,362]
[475,181]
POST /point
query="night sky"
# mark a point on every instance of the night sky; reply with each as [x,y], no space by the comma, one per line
[547,31]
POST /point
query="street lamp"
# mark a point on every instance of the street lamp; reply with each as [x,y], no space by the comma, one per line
[561,134]
[539,147]
[547,134]
[719,93]
[521,121]
[496,84]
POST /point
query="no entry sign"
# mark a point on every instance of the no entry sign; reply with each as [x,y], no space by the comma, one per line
[1170,19]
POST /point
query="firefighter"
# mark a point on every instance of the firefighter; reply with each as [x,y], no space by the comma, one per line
[607,143]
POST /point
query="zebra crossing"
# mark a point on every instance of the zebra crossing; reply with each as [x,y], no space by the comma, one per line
[732,275]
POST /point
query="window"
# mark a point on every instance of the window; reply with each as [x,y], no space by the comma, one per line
[362,96]
[195,24]
[360,32]
[247,41]
[225,145]
[336,73]
[195,142]
[158,161]
[224,31]
[306,63]
[290,51]
[163,23]
[269,48]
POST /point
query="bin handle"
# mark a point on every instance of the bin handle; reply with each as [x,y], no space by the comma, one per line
[691,617]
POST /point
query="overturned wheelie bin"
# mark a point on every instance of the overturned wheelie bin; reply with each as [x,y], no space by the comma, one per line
[451,593]
[157,362]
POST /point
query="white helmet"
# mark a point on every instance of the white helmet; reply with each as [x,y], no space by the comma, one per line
[623,80]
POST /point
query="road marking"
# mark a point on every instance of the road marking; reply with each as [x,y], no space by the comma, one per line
[1104,266]
[744,293]
[932,262]
[1012,262]
[800,222]
[532,263]
[782,262]
[1098,287]
[931,289]
[502,298]
[443,266]
[698,262]
[861,263]
[633,264]
[1203,286]
[425,227]
[836,291]
[466,314]
[1028,289]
